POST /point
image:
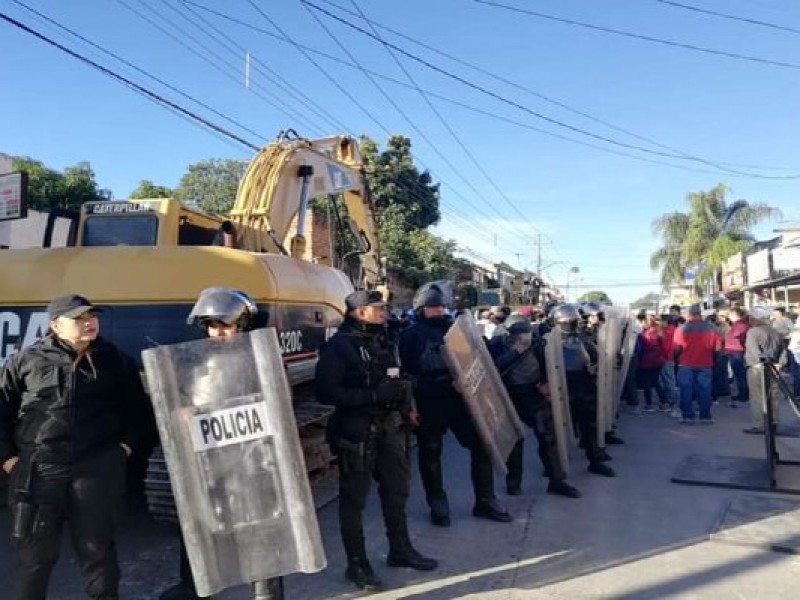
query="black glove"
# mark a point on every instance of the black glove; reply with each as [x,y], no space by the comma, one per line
[392,393]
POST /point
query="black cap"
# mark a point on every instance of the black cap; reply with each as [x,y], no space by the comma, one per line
[69,305]
[363,298]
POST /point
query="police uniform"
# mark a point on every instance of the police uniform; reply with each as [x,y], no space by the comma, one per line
[441,408]
[369,434]
[522,372]
[65,414]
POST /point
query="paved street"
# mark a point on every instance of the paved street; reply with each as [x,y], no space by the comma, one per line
[634,537]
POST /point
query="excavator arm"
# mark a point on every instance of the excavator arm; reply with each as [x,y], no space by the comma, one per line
[281,180]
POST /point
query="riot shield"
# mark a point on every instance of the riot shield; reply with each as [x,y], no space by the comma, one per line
[609,384]
[630,332]
[224,413]
[492,411]
[559,397]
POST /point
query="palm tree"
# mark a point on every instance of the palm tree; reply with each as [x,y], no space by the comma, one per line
[710,232]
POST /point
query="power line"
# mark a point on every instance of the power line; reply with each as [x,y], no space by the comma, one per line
[495,115]
[260,67]
[442,120]
[336,83]
[536,114]
[227,67]
[722,15]
[150,95]
[535,93]
[639,36]
[402,112]
[136,68]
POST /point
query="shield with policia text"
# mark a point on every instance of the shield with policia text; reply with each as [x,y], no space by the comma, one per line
[492,411]
[227,428]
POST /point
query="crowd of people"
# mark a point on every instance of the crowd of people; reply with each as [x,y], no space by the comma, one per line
[72,408]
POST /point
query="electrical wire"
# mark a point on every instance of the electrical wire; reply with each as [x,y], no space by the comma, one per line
[536,114]
[639,36]
[445,123]
[137,69]
[722,15]
[537,94]
[342,89]
[403,113]
[259,66]
[207,55]
[495,115]
[150,95]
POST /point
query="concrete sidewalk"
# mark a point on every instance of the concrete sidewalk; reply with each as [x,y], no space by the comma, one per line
[635,536]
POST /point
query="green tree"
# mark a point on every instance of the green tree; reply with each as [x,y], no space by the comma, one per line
[396,183]
[49,189]
[407,203]
[148,189]
[595,296]
[648,301]
[212,184]
[710,232]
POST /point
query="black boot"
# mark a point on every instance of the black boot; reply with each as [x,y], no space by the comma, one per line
[562,488]
[181,591]
[430,470]
[440,512]
[491,509]
[403,554]
[360,572]
[599,468]
[612,439]
[603,456]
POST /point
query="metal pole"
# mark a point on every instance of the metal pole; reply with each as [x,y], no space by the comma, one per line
[269,589]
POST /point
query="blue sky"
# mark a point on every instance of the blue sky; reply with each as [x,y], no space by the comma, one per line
[592,207]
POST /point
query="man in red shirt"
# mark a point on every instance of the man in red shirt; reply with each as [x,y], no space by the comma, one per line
[734,348]
[695,346]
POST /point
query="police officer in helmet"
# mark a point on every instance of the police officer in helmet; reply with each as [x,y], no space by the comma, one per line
[220,312]
[580,365]
[441,408]
[358,373]
[519,358]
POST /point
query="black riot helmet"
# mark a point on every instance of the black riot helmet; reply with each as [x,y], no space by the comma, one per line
[518,324]
[592,309]
[565,315]
[226,305]
[434,293]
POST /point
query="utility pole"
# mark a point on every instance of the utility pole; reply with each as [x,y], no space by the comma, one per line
[539,267]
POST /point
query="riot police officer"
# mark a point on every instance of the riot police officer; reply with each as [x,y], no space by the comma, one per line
[220,312]
[519,358]
[358,373]
[441,408]
[580,365]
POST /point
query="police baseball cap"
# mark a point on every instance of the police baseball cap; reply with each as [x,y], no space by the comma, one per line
[71,306]
[363,298]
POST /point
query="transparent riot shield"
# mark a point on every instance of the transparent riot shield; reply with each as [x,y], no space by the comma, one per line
[559,397]
[224,413]
[492,411]
[630,332]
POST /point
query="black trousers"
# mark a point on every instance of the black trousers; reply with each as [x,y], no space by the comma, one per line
[583,408]
[88,498]
[439,414]
[384,458]
[536,413]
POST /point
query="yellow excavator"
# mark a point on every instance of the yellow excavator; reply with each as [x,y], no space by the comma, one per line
[145,261]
